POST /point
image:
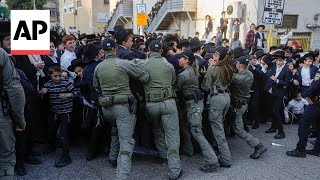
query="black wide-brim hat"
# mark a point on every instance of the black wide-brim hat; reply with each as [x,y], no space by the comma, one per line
[183,43]
[238,52]
[309,54]
[171,38]
[261,25]
[121,34]
[90,51]
[195,43]
[279,54]
[5,28]
[75,63]
[259,53]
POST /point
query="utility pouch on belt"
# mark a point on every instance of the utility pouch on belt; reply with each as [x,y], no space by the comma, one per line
[132,104]
[238,104]
[105,101]
[214,91]
[198,95]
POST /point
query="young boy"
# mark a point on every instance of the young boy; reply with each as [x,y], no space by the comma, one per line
[61,94]
[296,106]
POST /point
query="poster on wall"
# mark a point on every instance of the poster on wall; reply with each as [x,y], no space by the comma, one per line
[103,17]
[273,12]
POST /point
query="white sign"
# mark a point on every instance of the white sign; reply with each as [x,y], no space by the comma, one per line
[103,17]
[73,30]
[30,32]
[141,8]
[273,12]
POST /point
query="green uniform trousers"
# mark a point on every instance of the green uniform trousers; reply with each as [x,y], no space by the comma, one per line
[194,117]
[125,124]
[7,151]
[166,114]
[219,105]
[239,129]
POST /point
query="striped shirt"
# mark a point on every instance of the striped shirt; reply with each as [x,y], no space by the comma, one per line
[59,106]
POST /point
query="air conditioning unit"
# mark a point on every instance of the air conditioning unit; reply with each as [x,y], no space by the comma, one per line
[234,10]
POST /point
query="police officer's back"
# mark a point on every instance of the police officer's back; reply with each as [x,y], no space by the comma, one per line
[11,112]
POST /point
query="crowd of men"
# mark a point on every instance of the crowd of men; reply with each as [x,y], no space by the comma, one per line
[176,96]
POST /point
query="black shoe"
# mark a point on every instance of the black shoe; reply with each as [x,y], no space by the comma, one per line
[113,163]
[313,135]
[280,135]
[271,130]
[208,168]
[296,153]
[180,174]
[50,150]
[32,160]
[90,157]
[255,126]
[258,151]
[20,170]
[64,161]
[313,152]
[225,165]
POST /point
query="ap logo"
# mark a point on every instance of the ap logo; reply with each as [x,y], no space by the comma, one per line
[30,32]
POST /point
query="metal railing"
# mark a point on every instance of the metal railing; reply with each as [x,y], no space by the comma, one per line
[303,41]
[171,6]
[123,9]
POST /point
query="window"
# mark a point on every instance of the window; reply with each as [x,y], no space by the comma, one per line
[79,3]
[289,21]
[70,9]
[106,2]
[65,8]
[53,12]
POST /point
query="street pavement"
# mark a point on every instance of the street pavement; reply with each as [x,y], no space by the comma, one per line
[273,165]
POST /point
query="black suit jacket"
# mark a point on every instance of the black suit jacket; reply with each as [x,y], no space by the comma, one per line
[278,88]
[313,71]
[48,62]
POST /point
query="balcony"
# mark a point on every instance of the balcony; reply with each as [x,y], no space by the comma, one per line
[122,15]
[166,14]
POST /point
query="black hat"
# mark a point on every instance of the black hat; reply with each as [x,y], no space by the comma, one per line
[195,43]
[75,63]
[237,52]
[171,38]
[82,36]
[186,54]
[208,56]
[261,25]
[268,58]
[243,60]
[183,43]
[295,56]
[5,28]
[121,34]
[309,54]
[115,29]
[279,54]
[90,51]
[155,46]
[108,44]
[259,53]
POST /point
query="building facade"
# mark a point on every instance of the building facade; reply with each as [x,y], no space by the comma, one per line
[86,16]
[53,6]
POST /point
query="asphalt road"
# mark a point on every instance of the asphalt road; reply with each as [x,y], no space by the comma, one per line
[273,165]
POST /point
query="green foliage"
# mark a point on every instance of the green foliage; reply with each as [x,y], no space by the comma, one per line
[5,11]
[24,4]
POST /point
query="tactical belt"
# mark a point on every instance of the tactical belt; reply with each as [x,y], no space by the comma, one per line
[188,98]
[238,104]
[160,96]
[219,91]
[108,101]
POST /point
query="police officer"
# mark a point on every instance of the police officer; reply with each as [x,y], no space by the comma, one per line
[161,105]
[13,100]
[240,89]
[217,80]
[187,82]
[310,117]
[118,103]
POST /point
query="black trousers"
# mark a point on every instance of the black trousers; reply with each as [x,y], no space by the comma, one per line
[310,117]
[254,107]
[276,103]
[62,121]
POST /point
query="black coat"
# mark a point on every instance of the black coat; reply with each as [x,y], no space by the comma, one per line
[284,77]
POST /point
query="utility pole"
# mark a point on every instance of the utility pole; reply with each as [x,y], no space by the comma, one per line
[141,27]
[34,5]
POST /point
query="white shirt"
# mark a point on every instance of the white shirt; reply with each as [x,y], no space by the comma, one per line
[289,35]
[278,70]
[65,62]
[296,107]
[54,59]
[305,76]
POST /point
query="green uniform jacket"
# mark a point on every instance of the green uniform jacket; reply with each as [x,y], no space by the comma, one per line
[111,76]
[161,72]
[12,87]
[241,85]
[187,82]
[212,78]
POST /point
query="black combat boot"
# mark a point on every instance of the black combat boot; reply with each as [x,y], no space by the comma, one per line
[296,153]
[32,160]
[20,169]
[258,151]
[113,163]
[313,152]
[63,161]
[208,168]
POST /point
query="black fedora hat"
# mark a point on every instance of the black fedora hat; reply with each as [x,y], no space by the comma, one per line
[183,43]
[195,43]
[115,29]
[5,28]
[238,52]
[82,36]
[171,38]
[259,53]
[279,54]
[121,34]
[75,63]
[261,25]
[90,51]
